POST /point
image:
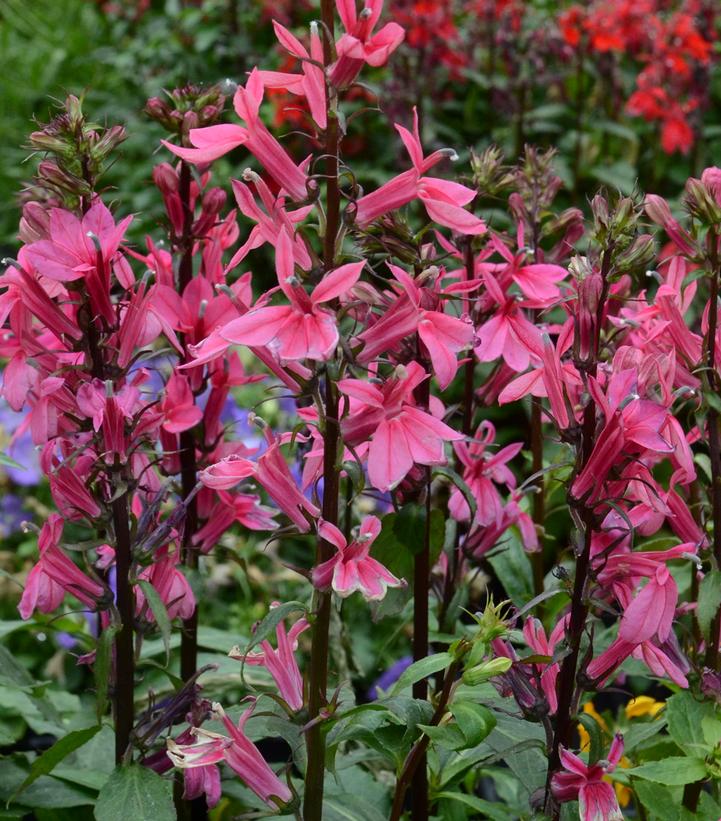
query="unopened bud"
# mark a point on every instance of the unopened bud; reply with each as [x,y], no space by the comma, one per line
[486,670]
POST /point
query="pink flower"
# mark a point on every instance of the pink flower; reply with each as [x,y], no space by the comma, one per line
[70,253]
[535,636]
[280,663]
[632,425]
[482,472]
[244,508]
[401,434]
[237,751]
[172,586]
[508,333]
[269,222]
[301,330]
[596,797]
[359,45]
[179,409]
[216,140]
[443,200]
[311,83]
[71,495]
[352,568]
[537,281]
[56,574]
[272,472]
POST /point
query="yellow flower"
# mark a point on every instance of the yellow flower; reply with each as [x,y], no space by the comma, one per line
[643,706]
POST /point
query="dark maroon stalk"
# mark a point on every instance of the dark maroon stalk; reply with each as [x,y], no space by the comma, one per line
[124,683]
[318,672]
[195,810]
[421,591]
[566,685]
[124,656]
[188,466]
[714,437]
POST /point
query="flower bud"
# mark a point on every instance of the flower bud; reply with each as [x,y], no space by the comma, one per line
[486,670]
[701,202]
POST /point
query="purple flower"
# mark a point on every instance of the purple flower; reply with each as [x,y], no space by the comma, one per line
[12,514]
[389,677]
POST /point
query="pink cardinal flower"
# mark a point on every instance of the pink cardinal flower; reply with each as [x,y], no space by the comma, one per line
[508,333]
[172,586]
[178,406]
[311,82]
[244,508]
[443,200]
[216,140]
[359,45]
[269,222]
[535,636]
[301,330]
[482,472]
[352,568]
[71,495]
[56,574]
[537,281]
[272,472]
[280,662]
[237,751]
[401,434]
[442,335]
[632,425]
[580,781]
[70,252]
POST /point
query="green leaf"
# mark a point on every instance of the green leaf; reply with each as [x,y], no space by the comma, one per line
[103,657]
[347,807]
[53,756]
[691,723]
[513,568]
[671,771]
[486,809]
[663,802]
[475,721]
[421,669]
[709,600]
[266,628]
[155,603]
[136,793]
[593,729]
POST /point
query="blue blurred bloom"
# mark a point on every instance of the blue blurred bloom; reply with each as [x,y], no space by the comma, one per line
[389,678]
[12,514]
